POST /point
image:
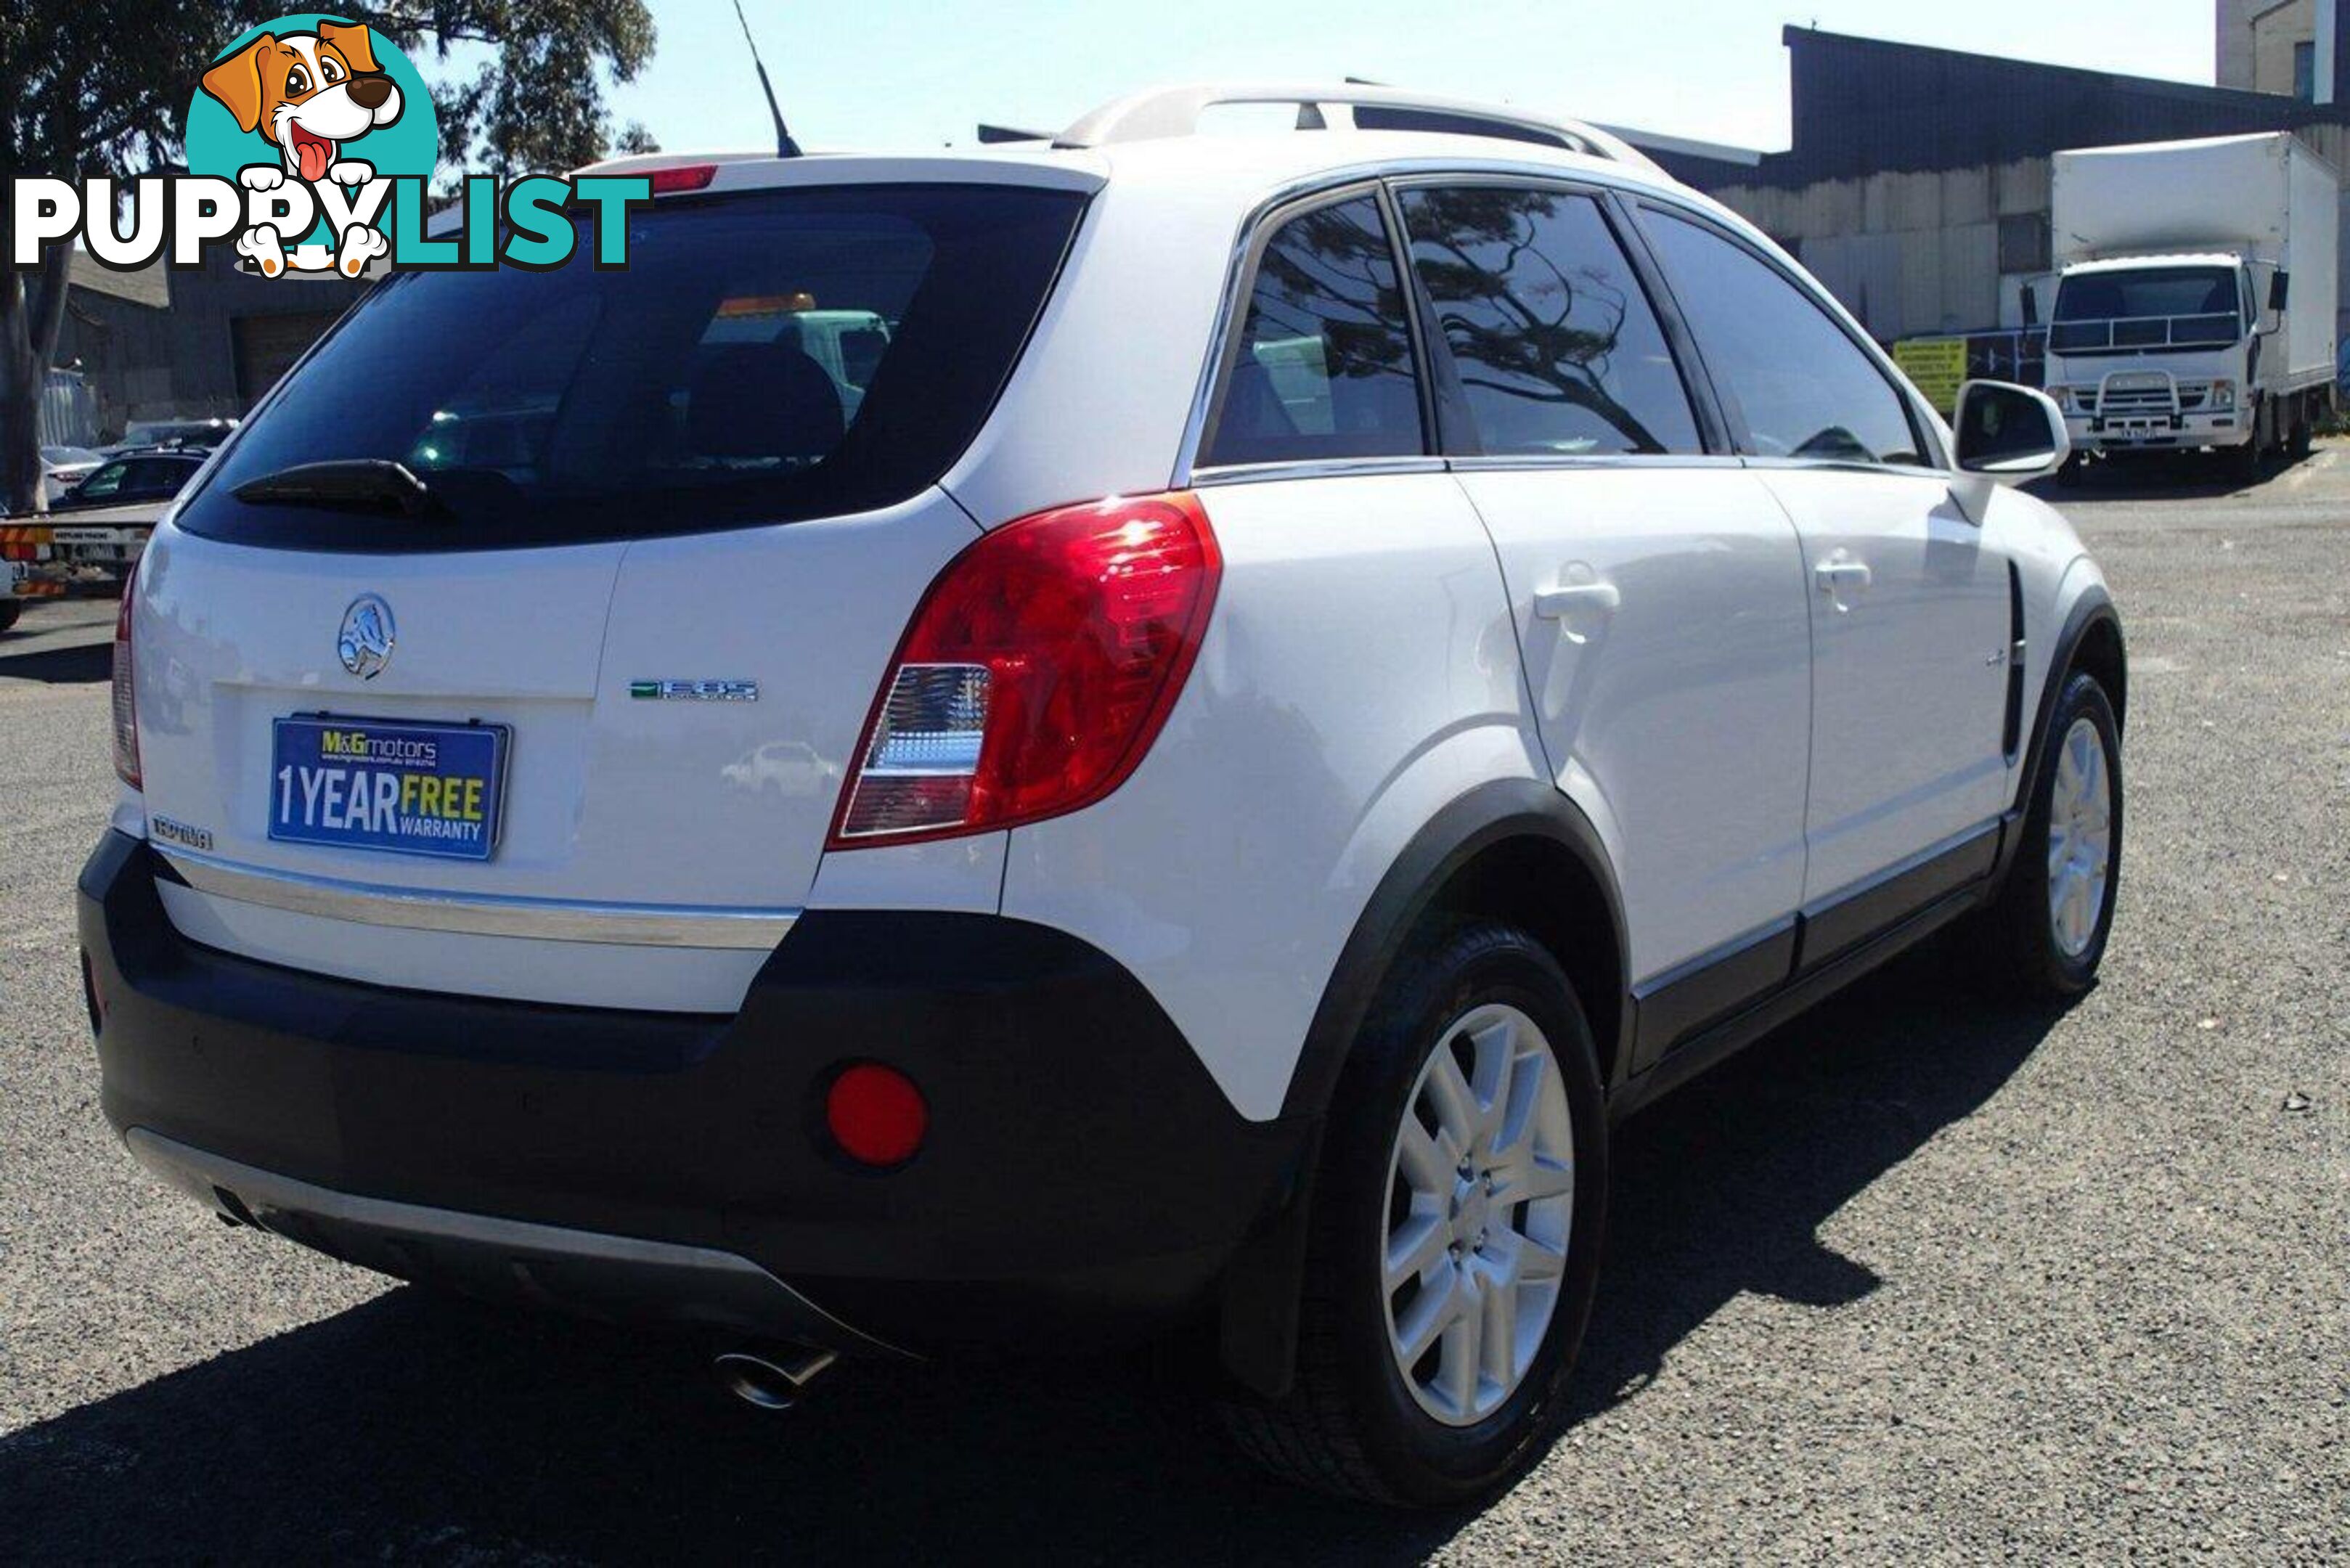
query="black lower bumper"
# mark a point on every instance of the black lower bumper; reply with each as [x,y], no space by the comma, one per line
[1083,1180]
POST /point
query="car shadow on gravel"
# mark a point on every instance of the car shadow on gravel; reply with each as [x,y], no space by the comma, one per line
[2176,476]
[414,1426]
[1720,1190]
[78,666]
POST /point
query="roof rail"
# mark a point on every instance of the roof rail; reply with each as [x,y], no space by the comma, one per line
[1175,111]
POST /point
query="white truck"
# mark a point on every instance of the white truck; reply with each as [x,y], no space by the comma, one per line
[2194,301]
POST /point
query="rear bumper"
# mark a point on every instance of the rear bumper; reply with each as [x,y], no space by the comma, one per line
[617,1278]
[1084,1179]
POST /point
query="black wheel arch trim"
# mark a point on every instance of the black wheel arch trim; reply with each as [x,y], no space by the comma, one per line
[1258,1320]
[1490,814]
[2093,608]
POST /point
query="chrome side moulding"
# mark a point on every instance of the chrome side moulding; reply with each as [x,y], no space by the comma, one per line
[1329,468]
[544,919]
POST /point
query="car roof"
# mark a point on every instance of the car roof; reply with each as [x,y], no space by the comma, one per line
[1259,165]
[1221,178]
[1155,138]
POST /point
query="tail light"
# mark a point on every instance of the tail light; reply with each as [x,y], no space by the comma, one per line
[1036,672]
[126,706]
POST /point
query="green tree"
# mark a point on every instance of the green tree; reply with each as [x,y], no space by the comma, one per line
[113,109]
[537,103]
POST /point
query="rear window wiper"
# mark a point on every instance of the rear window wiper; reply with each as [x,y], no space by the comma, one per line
[357,483]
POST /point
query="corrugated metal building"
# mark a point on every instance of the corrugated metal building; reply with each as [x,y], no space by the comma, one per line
[1918,184]
[118,325]
[201,343]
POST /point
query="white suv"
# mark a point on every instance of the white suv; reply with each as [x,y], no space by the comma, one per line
[1261,692]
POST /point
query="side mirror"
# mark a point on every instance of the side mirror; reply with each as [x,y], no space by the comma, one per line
[2030,305]
[2009,434]
[2280,290]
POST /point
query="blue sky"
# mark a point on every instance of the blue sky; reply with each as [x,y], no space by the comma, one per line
[921,73]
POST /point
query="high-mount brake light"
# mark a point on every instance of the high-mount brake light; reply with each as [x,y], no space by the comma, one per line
[683,177]
[126,703]
[1036,671]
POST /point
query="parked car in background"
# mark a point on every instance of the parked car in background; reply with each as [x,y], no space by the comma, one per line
[63,467]
[150,474]
[1324,671]
[173,432]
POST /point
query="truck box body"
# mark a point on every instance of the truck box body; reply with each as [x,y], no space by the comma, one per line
[2269,198]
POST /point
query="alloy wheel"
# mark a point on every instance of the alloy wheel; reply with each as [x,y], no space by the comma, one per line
[1481,1202]
[2080,838]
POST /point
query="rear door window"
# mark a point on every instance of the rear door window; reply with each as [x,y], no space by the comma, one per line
[1324,368]
[762,358]
[1556,346]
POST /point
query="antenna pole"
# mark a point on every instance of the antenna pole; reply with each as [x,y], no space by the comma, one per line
[785,146]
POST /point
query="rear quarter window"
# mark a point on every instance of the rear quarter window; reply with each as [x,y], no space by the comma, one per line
[1323,368]
[761,359]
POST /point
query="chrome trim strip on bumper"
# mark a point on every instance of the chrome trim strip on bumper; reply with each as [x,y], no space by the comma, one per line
[479,915]
[622,1276]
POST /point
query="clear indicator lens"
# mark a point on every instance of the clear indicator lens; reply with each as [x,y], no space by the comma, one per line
[918,771]
[934,721]
[913,803]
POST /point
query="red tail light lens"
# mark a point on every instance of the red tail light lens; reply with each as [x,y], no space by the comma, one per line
[1036,672]
[126,706]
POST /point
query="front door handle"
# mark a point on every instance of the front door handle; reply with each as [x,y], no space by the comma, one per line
[1558,604]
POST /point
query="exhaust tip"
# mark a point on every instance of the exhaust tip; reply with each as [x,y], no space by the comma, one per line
[770,1379]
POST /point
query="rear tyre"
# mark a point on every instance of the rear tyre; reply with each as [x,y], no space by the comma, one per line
[9,610]
[2051,919]
[1455,1235]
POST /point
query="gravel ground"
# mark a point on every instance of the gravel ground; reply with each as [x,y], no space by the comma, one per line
[1911,1279]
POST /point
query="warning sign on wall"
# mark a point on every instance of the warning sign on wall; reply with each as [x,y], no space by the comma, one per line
[1938,366]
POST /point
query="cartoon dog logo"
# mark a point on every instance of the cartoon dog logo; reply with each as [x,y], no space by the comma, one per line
[310,95]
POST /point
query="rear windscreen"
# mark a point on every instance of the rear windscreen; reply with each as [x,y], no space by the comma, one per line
[761,358]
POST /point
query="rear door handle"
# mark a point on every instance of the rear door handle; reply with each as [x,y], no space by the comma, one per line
[1558,604]
[1832,576]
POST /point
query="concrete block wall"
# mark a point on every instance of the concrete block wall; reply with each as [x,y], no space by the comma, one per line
[1911,255]
[1916,254]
